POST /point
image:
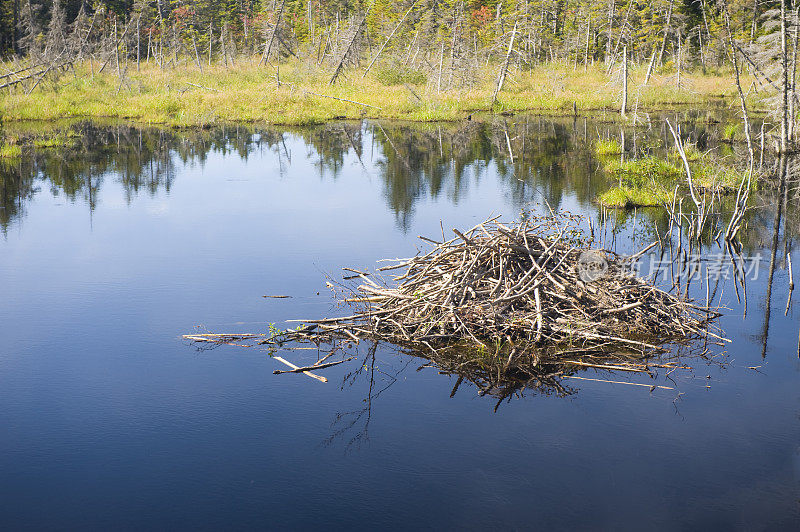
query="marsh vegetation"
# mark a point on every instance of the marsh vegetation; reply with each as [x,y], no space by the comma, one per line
[295,62]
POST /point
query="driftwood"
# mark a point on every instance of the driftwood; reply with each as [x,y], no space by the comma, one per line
[312,367]
[298,369]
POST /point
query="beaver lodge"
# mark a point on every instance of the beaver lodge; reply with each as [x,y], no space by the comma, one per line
[505,305]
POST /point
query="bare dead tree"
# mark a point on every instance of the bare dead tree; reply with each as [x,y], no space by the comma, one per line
[272,34]
[357,26]
[389,38]
[743,191]
[501,77]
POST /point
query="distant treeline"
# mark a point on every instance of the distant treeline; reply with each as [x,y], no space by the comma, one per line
[467,33]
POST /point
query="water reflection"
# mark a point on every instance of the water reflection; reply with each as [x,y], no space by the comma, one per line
[535,158]
[99,395]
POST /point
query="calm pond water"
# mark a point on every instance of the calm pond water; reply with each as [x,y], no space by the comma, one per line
[114,248]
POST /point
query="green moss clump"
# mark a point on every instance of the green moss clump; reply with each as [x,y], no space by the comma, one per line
[9,151]
[645,182]
[650,181]
[644,172]
[628,198]
[604,148]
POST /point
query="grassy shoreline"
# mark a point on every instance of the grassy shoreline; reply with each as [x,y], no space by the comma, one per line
[189,97]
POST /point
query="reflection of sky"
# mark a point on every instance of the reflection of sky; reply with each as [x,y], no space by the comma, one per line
[111,419]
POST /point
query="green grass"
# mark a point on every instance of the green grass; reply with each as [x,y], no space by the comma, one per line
[8,151]
[629,197]
[716,176]
[604,148]
[731,131]
[651,180]
[647,171]
[644,182]
[187,96]
[398,75]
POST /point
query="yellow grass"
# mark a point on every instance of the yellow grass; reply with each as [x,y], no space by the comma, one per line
[185,96]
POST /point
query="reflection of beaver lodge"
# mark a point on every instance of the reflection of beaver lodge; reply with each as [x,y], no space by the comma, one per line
[509,303]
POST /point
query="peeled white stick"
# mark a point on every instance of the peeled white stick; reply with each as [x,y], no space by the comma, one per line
[312,375]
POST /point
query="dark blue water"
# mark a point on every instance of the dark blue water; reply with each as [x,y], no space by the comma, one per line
[108,419]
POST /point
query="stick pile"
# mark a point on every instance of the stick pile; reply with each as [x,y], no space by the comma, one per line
[509,306]
[531,288]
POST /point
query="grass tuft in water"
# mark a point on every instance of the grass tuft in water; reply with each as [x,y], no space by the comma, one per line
[10,151]
[629,197]
[651,180]
[604,148]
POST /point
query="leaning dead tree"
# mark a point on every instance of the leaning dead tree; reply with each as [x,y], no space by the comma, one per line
[272,34]
[501,76]
[349,50]
[389,38]
[47,57]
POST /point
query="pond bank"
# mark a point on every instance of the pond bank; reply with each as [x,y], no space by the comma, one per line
[190,96]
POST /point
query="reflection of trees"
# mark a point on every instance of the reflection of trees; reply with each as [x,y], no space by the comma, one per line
[138,159]
[532,158]
[380,366]
[426,161]
[16,188]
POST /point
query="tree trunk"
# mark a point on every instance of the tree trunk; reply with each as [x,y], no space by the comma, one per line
[624,109]
[196,51]
[611,8]
[586,52]
[792,83]
[377,55]
[138,43]
[650,66]
[784,83]
[268,44]
[504,69]
[16,27]
[339,67]
[666,34]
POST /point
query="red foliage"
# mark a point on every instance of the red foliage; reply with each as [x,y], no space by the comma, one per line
[183,14]
[482,16]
